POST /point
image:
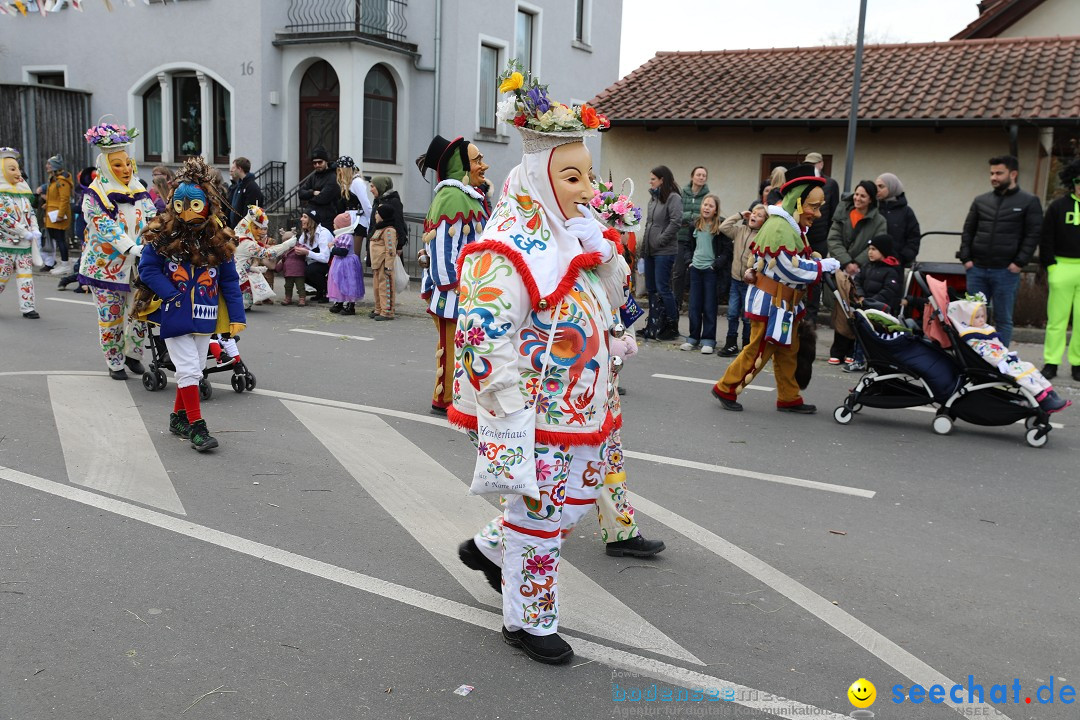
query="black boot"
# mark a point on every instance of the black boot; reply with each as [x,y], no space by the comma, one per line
[201,439]
[550,649]
[31,315]
[179,425]
[473,559]
[634,547]
[336,308]
[350,309]
[670,331]
[134,365]
[731,347]
[1049,371]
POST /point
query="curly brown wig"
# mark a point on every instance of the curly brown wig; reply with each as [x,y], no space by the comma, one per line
[207,244]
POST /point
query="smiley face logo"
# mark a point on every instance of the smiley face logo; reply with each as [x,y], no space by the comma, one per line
[862,693]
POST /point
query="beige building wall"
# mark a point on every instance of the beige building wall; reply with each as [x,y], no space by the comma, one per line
[1052,18]
[941,171]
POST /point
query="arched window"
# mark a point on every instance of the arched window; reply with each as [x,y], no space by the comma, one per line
[186,113]
[380,116]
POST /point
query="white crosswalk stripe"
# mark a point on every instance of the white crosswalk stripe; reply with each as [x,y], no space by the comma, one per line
[106,444]
[433,506]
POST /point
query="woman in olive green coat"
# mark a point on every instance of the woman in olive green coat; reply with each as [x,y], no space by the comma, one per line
[855,222]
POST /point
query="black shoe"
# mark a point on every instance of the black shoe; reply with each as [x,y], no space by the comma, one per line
[1049,371]
[670,332]
[1076,373]
[179,425]
[730,349]
[32,315]
[79,291]
[382,318]
[373,314]
[854,366]
[622,390]
[118,374]
[475,560]
[550,649]
[435,409]
[134,365]
[47,268]
[201,439]
[731,405]
[634,547]
[350,309]
[804,409]
[336,308]
[65,282]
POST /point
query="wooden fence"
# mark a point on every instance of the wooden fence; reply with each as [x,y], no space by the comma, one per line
[41,121]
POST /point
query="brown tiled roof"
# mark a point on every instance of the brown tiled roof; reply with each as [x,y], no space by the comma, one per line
[994,17]
[968,82]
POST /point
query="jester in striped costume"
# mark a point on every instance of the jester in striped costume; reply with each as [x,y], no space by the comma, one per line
[783,268]
[456,218]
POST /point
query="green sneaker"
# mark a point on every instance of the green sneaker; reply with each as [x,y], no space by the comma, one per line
[179,425]
[201,439]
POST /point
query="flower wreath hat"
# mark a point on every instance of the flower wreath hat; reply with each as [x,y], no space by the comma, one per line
[109,138]
[544,123]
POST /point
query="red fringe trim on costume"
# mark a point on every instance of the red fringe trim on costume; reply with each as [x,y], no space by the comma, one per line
[547,534]
[546,437]
[473,216]
[584,261]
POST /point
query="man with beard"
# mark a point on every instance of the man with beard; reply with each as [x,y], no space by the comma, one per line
[1001,233]
[783,268]
[320,192]
[456,218]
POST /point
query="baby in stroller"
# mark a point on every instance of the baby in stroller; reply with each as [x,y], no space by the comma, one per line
[968,316]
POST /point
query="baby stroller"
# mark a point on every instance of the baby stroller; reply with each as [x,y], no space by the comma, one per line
[903,370]
[985,396]
[154,378]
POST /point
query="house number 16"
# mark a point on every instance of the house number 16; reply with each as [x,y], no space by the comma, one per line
[247,68]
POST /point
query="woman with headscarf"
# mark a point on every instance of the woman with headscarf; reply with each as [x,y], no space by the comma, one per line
[855,222]
[900,221]
[532,371]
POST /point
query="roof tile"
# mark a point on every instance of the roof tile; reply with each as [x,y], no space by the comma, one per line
[967,80]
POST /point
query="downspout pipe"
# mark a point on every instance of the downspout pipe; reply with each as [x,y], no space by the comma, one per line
[435,68]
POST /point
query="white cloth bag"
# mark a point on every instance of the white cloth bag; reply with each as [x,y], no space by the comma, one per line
[401,275]
[506,446]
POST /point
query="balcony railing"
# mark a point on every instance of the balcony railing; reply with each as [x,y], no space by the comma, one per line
[377,18]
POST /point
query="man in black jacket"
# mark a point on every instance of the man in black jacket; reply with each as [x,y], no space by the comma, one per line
[1000,235]
[243,191]
[320,192]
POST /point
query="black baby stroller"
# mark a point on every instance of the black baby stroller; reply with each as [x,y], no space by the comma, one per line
[903,370]
[154,378]
[985,395]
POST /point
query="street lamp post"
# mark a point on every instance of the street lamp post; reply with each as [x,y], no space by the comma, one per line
[849,161]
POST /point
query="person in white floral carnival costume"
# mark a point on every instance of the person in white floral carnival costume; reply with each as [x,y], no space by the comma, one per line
[19,232]
[532,374]
[250,235]
[117,209]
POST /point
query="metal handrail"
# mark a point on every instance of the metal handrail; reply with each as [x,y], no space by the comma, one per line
[271,179]
[285,202]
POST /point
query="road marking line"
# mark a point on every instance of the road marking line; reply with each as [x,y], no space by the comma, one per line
[432,505]
[106,444]
[751,474]
[73,302]
[684,378]
[649,667]
[330,334]
[863,635]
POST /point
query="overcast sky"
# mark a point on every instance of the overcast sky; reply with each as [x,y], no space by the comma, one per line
[649,26]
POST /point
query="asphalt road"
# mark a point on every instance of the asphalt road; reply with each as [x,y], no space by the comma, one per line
[306,569]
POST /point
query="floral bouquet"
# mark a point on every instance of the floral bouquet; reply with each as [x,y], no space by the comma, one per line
[529,106]
[615,209]
[107,135]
